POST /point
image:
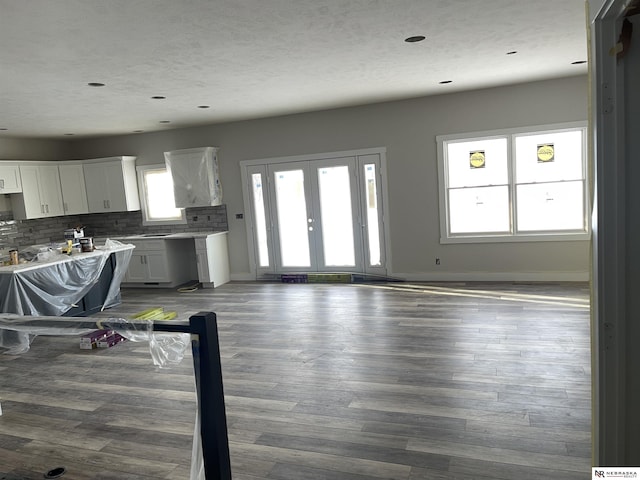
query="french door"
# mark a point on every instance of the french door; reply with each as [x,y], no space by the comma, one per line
[316,215]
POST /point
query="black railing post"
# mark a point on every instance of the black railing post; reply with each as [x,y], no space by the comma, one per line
[213,419]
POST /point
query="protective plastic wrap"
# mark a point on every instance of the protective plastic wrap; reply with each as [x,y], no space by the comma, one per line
[196,179]
[52,284]
[166,349]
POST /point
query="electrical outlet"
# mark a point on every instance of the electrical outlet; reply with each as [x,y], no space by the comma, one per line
[437,261]
[239,216]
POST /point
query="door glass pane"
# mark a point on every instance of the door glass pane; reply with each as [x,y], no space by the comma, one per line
[373,228]
[474,210]
[335,211]
[292,218]
[260,219]
[551,206]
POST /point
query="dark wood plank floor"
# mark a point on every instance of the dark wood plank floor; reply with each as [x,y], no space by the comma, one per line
[349,382]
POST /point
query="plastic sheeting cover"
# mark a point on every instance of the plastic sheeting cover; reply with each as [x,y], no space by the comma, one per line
[52,284]
[195,175]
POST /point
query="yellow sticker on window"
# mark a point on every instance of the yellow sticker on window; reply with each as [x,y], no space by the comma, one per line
[477,159]
[546,153]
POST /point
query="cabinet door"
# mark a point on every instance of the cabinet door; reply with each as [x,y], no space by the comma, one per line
[202,260]
[136,272]
[157,267]
[74,193]
[50,190]
[33,207]
[97,187]
[10,179]
[116,196]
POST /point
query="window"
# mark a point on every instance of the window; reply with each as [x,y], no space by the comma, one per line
[519,184]
[156,192]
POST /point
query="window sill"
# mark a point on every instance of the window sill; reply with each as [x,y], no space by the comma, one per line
[556,237]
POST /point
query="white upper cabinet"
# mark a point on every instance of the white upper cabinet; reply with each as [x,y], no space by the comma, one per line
[111,184]
[74,193]
[41,193]
[10,179]
[196,181]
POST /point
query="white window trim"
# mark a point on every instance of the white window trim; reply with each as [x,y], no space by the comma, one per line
[140,170]
[509,133]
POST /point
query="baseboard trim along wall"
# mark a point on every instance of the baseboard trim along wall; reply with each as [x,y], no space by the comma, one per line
[495,277]
[467,277]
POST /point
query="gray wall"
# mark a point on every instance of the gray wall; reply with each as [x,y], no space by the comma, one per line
[408,130]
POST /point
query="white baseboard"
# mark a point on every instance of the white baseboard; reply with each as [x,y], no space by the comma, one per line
[466,277]
[494,276]
[243,277]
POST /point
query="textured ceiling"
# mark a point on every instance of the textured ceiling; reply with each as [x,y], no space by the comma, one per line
[258,58]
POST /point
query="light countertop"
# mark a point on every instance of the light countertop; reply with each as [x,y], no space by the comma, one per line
[54,258]
[167,236]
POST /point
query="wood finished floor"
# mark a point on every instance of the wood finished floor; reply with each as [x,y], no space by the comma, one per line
[350,382]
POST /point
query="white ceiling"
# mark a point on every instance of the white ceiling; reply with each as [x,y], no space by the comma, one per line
[259,58]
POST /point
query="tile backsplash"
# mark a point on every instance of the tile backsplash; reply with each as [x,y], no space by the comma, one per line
[23,233]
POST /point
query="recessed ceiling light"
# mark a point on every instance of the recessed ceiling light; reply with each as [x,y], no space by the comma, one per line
[138,131]
[415,38]
[578,62]
[95,84]
[3,129]
[69,134]
[165,121]
[512,52]
[204,106]
[158,97]
[445,81]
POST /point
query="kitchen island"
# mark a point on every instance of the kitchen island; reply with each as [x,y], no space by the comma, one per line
[58,284]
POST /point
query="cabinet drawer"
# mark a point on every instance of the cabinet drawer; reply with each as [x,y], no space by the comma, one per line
[148,244]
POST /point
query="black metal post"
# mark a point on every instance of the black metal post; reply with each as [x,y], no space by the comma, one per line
[213,418]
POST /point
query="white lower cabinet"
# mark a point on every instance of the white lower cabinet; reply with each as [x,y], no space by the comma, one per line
[158,263]
[212,258]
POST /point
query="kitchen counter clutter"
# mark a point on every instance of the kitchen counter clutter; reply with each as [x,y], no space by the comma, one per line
[167,260]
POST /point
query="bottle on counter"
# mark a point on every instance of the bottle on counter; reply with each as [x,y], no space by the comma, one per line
[13,257]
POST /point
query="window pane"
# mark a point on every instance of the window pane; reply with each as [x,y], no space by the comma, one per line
[475,210]
[292,218]
[549,157]
[260,219]
[335,211]
[160,200]
[373,229]
[551,206]
[465,170]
